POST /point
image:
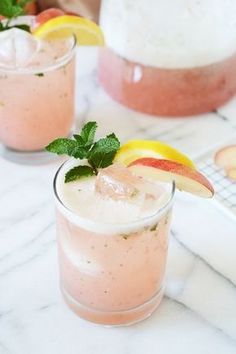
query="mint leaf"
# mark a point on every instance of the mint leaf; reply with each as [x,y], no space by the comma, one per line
[78,172]
[79,139]
[88,133]
[113,136]
[8,27]
[39,74]
[23,27]
[103,151]
[23,3]
[86,137]
[9,9]
[63,146]
[12,8]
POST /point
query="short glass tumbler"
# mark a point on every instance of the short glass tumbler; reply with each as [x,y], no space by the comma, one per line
[112,274]
[37,100]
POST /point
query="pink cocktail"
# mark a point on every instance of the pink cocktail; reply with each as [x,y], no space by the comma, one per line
[112,253]
[37,96]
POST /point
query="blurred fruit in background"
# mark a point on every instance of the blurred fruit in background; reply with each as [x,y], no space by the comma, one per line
[31,8]
[85,8]
[46,4]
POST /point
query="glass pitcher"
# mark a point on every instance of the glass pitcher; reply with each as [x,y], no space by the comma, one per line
[169,58]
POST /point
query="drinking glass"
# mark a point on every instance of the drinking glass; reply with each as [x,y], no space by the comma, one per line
[37,100]
[112,274]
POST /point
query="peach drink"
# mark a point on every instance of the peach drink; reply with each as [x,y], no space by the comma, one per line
[169,58]
[112,252]
[113,214]
[36,92]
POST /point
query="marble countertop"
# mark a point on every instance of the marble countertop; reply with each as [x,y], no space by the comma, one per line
[198,313]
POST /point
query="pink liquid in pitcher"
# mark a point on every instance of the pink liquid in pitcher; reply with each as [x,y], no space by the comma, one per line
[169,58]
[167,92]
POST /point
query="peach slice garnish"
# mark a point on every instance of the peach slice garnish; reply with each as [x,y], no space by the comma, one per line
[185,177]
[47,15]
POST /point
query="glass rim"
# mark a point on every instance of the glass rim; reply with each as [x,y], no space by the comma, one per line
[103,227]
[56,64]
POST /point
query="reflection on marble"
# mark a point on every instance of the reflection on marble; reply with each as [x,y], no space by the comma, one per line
[198,313]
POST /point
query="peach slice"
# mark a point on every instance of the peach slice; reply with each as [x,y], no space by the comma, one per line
[226,157]
[231,173]
[186,178]
[47,15]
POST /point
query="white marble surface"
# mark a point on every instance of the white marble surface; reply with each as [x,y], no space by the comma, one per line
[198,313]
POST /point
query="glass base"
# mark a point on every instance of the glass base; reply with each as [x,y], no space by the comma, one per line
[27,157]
[114,318]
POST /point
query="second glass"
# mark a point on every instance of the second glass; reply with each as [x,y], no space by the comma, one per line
[37,100]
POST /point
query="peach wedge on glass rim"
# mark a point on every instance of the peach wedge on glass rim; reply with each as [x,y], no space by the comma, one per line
[186,178]
[47,15]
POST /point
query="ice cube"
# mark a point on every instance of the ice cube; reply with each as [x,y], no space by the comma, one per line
[118,182]
[17,48]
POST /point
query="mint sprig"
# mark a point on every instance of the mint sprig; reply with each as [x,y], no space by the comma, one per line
[99,154]
[12,9]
